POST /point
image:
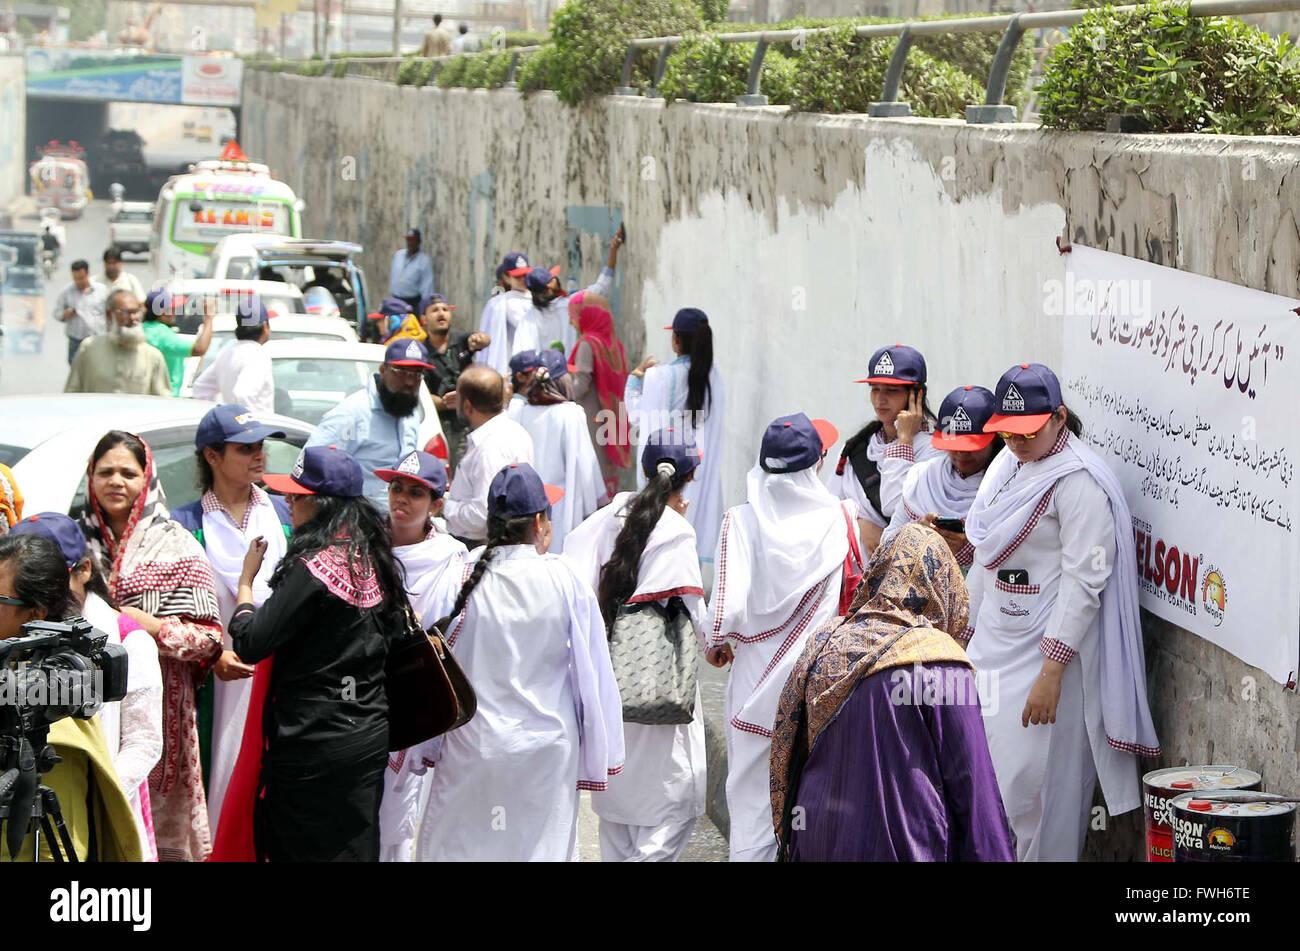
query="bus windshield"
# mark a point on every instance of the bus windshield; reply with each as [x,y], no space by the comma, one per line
[199,221]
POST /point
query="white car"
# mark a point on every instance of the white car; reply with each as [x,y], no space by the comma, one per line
[313,376]
[130,226]
[283,327]
[47,441]
[191,298]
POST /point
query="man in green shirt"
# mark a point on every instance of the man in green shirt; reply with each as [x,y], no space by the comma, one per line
[160,332]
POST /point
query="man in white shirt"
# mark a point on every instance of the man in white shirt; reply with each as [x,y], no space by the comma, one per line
[82,307]
[242,372]
[411,275]
[495,441]
[115,278]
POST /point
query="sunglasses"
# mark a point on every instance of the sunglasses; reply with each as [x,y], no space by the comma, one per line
[15,602]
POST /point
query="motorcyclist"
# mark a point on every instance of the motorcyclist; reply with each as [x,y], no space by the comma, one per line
[50,241]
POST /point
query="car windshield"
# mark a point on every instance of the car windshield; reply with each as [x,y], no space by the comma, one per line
[224,338]
[133,216]
[227,301]
[9,455]
[307,388]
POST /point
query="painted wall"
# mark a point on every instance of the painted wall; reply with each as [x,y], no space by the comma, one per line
[13,117]
[810,241]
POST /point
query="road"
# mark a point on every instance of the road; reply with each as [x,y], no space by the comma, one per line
[46,370]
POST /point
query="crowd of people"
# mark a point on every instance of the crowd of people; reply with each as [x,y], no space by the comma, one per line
[933,642]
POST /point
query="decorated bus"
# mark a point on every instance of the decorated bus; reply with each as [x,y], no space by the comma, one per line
[60,178]
[228,196]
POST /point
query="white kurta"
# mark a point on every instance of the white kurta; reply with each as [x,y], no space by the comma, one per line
[549,719]
[225,545]
[434,568]
[1046,773]
[648,810]
[240,374]
[894,460]
[553,325]
[500,319]
[780,567]
[495,444]
[563,455]
[660,403]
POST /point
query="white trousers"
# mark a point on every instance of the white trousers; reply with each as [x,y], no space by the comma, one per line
[624,843]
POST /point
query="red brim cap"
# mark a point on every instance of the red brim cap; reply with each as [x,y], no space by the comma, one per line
[964,442]
[284,485]
[573,367]
[827,431]
[555,271]
[1020,425]
[376,316]
[388,475]
[518,271]
[409,363]
[887,380]
[553,493]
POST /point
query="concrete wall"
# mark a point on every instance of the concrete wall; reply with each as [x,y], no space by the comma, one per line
[13,118]
[811,240]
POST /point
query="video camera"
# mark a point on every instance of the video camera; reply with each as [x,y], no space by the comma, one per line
[52,670]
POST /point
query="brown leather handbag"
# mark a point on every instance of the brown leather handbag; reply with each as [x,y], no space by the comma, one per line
[428,692]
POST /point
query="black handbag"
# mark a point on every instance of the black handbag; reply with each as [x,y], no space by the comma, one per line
[428,692]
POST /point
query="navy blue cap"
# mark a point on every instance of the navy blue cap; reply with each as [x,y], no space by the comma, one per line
[794,443]
[413,233]
[59,529]
[394,305]
[157,302]
[250,311]
[525,361]
[421,467]
[1024,398]
[518,490]
[429,299]
[897,365]
[539,277]
[962,417]
[515,263]
[407,353]
[320,470]
[687,320]
[666,445]
[554,361]
[231,422]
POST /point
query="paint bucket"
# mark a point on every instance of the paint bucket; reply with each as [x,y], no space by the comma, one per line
[1233,827]
[1159,787]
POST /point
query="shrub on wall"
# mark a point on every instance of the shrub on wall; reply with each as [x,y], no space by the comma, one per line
[407,71]
[534,70]
[591,38]
[452,72]
[1174,73]
[702,69]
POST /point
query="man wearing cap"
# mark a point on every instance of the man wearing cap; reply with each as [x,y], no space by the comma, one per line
[780,573]
[495,441]
[555,329]
[242,372]
[449,353]
[503,312]
[233,510]
[160,332]
[396,317]
[378,424]
[411,276]
[522,367]
[944,486]
[120,361]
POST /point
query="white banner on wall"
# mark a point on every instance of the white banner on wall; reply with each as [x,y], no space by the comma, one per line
[1190,390]
[211,80]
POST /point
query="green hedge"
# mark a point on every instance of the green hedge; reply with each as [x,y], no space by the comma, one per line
[1174,73]
[535,70]
[701,69]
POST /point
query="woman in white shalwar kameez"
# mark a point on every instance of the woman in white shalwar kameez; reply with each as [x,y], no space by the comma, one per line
[686,396]
[562,451]
[780,571]
[1054,618]
[433,563]
[529,635]
[638,549]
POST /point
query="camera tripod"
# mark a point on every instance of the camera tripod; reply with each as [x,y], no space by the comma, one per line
[24,799]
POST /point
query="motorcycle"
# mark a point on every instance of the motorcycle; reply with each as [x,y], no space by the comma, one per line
[47,262]
[52,221]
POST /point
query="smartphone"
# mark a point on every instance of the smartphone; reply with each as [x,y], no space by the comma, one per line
[622,233]
[951,524]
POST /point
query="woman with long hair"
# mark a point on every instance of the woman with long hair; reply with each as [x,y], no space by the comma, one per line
[599,379]
[686,395]
[133,725]
[875,460]
[944,486]
[337,598]
[1054,620]
[529,635]
[640,549]
[160,577]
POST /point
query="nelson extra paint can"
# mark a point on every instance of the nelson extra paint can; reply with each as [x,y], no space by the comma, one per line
[1159,787]
[1236,826]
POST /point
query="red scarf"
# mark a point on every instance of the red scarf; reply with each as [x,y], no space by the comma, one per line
[609,364]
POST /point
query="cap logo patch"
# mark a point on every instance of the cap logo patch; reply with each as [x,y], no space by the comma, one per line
[884,366]
[297,466]
[243,419]
[1012,401]
[772,462]
[411,464]
[521,261]
[413,351]
[960,422]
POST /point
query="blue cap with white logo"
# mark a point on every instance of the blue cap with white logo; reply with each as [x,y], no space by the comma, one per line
[794,443]
[421,467]
[518,490]
[393,305]
[668,445]
[525,361]
[515,263]
[320,470]
[539,278]
[962,417]
[896,366]
[231,422]
[59,529]
[1024,399]
[407,353]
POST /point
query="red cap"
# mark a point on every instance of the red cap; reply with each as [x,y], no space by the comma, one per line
[553,493]
[827,431]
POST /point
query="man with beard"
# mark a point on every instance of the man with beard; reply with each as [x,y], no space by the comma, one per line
[379,424]
[450,353]
[242,372]
[119,360]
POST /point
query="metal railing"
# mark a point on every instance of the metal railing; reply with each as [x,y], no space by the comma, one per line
[1012,26]
[386,67]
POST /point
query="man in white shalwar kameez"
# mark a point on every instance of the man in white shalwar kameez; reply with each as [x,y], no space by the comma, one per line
[649,810]
[1054,618]
[228,516]
[780,569]
[434,564]
[549,721]
[503,311]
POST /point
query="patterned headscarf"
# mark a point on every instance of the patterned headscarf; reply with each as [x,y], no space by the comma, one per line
[156,566]
[11,500]
[909,609]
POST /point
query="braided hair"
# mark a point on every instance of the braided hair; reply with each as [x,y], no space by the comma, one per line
[501,532]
